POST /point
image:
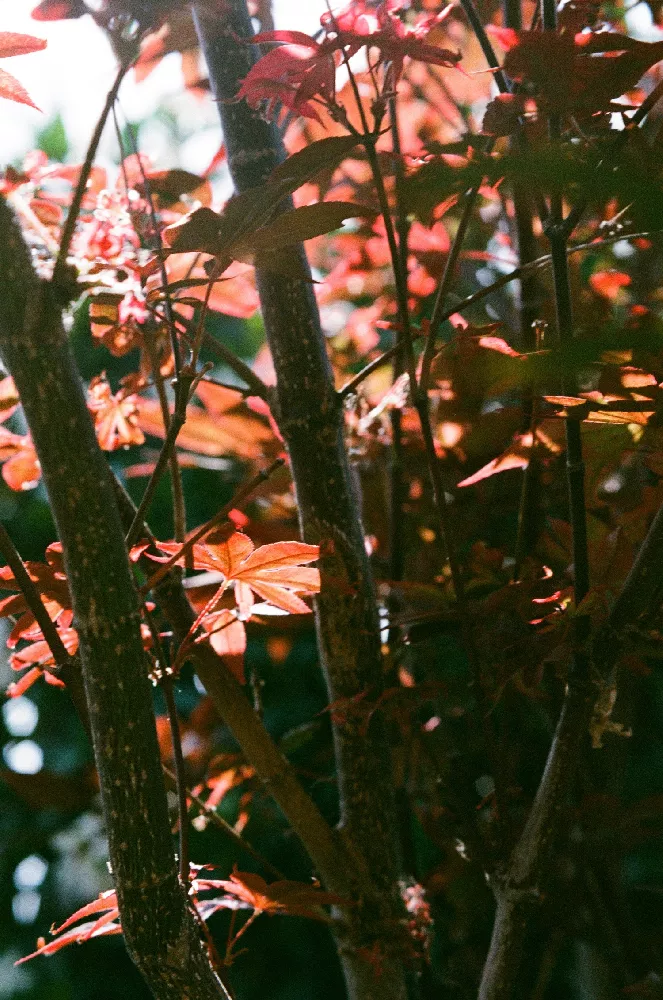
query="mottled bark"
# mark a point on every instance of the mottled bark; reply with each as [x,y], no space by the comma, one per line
[310,418]
[160,931]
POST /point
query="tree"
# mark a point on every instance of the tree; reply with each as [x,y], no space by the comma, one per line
[568,582]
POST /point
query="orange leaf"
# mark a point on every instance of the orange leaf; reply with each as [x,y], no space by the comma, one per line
[115,415]
[609,283]
[236,433]
[516,456]
[274,572]
[227,637]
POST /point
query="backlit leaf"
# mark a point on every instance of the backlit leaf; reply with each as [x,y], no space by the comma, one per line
[12,90]
[14,44]
[516,456]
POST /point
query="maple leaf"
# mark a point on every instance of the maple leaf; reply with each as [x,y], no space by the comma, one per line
[66,934]
[581,72]
[295,899]
[51,583]
[226,427]
[15,44]
[115,415]
[302,70]
[234,294]
[38,657]
[226,634]
[276,572]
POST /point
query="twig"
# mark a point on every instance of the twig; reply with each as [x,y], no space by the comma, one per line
[79,193]
[474,18]
[372,366]
[179,508]
[397,488]
[518,890]
[240,497]
[325,849]
[187,386]
[445,287]
[180,778]
[247,375]
[33,599]
[400,272]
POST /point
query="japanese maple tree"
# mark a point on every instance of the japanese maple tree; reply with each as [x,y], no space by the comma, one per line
[445,450]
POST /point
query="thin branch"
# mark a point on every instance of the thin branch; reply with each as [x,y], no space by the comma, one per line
[179,507]
[519,890]
[247,375]
[180,777]
[476,23]
[397,487]
[445,287]
[79,193]
[177,421]
[398,267]
[519,272]
[170,316]
[325,848]
[33,599]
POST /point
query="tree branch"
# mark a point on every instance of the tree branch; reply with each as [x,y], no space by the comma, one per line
[310,418]
[159,930]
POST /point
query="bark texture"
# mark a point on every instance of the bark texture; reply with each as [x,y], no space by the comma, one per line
[310,418]
[160,932]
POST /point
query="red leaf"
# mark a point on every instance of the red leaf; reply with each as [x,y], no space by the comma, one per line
[286,897]
[609,283]
[76,935]
[59,10]
[19,687]
[14,44]
[12,90]
[115,415]
[105,904]
[105,901]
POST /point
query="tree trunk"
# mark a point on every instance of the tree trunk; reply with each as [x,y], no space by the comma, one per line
[159,929]
[310,418]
